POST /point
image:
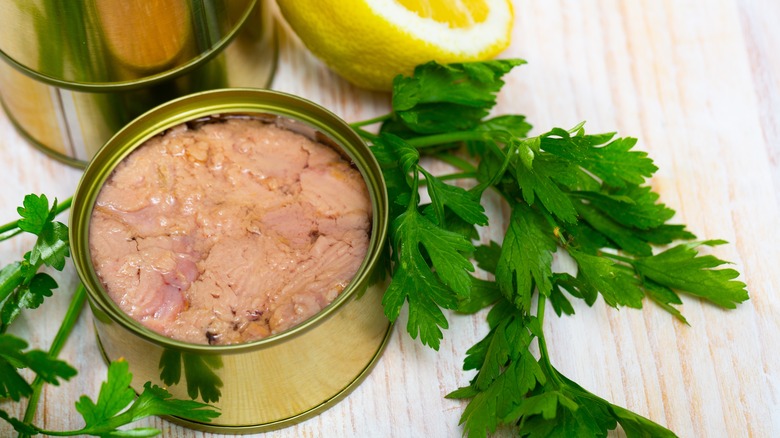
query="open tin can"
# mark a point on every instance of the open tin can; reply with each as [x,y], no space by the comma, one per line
[275,381]
[72,73]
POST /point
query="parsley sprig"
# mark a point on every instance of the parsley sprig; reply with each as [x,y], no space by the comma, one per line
[22,286]
[110,412]
[571,194]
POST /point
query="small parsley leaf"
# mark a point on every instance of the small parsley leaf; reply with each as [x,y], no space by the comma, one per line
[424,286]
[115,394]
[683,269]
[615,163]
[664,297]
[632,206]
[52,246]
[483,293]
[487,256]
[34,213]
[540,182]
[623,237]
[445,98]
[462,202]
[616,283]
[27,296]
[507,371]
[526,257]
[111,411]
[13,357]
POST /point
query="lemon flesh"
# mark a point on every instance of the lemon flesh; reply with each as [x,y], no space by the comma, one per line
[369,42]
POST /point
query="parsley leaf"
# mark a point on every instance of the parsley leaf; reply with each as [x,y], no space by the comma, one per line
[507,371]
[540,182]
[617,285]
[115,394]
[52,246]
[463,203]
[512,387]
[623,238]
[415,281]
[615,162]
[13,356]
[664,297]
[483,293]
[34,213]
[487,256]
[526,257]
[444,98]
[632,206]
[21,285]
[27,296]
[105,417]
[682,268]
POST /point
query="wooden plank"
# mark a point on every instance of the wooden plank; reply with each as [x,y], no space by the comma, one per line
[698,83]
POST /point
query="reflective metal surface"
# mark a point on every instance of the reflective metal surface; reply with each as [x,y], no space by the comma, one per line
[278,380]
[74,72]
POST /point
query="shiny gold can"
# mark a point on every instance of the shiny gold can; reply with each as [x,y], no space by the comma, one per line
[278,380]
[72,73]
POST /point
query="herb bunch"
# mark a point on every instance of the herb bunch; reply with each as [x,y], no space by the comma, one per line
[569,192]
[23,286]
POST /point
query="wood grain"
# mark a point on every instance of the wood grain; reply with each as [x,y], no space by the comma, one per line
[698,83]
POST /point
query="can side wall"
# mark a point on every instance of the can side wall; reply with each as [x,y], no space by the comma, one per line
[264,388]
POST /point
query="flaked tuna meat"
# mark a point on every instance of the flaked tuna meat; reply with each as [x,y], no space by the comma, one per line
[230,231]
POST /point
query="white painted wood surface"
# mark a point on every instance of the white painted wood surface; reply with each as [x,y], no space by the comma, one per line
[698,82]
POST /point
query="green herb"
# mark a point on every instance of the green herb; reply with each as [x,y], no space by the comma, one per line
[579,195]
[570,193]
[111,411]
[21,285]
[13,356]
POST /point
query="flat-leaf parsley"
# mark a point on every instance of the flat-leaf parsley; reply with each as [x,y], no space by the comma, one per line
[569,193]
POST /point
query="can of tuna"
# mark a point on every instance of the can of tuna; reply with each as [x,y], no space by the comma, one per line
[73,73]
[267,373]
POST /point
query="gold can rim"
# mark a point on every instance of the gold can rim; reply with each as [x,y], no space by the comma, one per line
[209,103]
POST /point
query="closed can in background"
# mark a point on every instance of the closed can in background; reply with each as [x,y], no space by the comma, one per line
[74,72]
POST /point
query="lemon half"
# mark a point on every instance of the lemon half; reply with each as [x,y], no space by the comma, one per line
[369,42]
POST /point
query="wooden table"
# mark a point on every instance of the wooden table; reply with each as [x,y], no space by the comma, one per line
[698,82]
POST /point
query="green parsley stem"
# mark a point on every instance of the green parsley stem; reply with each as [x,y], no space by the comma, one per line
[71,316]
[456,161]
[365,134]
[378,119]
[110,425]
[449,137]
[450,176]
[617,257]
[545,356]
[11,281]
[13,226]
[10,234]
[453,176]
[541,303]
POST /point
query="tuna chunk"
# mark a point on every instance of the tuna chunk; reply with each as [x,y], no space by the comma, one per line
[229,232]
